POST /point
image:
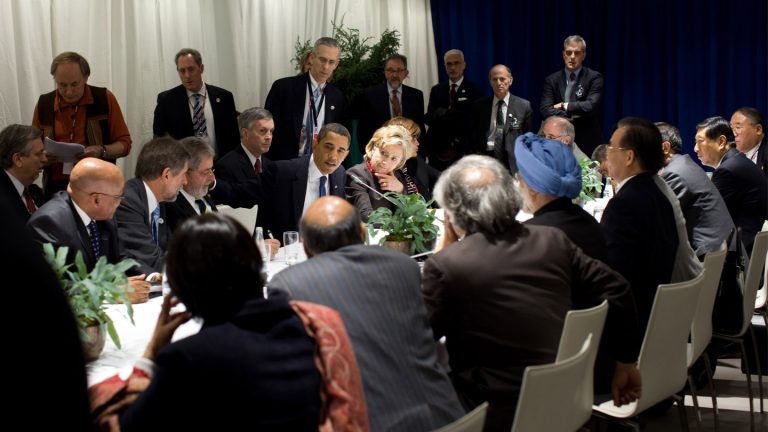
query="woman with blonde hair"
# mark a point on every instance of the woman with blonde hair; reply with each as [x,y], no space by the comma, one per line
[418,176]
[385,154]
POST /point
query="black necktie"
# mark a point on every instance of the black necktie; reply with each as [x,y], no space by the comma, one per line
[569,86]
[201,206]
[93,230]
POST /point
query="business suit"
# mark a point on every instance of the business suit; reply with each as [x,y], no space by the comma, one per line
[580,227]
[364,199]
[15,201]
[762,157]
[584,109]
[255,371]
[235,166]
[518,122]
[286,200]
[178,211]
[450,127]
[423,175]
[745,192]
[135,231]
[58,222]
[173,116]
[287,100]
[500,301]
[405,387]
[708,222]
[372,108]
[639,226]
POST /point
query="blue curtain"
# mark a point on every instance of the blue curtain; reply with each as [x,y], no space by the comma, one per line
[664,60]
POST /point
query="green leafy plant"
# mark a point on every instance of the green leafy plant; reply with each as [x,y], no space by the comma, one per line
[89,292]
[591,186]
[362,62]
[412,221]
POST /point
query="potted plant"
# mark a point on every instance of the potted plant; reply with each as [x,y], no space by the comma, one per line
[411,224]
[591,185]
[89,292]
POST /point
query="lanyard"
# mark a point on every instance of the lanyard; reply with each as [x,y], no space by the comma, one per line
[315,111]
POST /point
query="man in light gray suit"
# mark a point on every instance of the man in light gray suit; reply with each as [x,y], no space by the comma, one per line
[706,215]
[377,293]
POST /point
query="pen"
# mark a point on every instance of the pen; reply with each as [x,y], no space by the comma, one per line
[269,233]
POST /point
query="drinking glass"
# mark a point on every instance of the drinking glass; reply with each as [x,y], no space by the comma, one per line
[291,247]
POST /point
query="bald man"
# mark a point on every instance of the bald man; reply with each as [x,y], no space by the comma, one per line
[377,292]
[81,218]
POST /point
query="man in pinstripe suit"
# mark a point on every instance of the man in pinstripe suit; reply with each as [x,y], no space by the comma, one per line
[377,293]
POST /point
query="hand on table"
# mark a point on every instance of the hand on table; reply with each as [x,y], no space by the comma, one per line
[137,289]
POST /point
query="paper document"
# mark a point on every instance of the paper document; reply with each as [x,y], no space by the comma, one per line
[65,152]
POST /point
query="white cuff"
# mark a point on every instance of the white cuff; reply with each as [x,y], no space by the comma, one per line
[147,365]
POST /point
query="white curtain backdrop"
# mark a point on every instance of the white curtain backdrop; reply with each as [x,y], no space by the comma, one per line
[130,45]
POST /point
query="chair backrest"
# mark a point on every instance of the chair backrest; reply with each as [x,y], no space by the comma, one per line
[473,421]
[246,216]
[701,328]
[663,356]
[550,396]
[762,293]
[578,325]
[754,273]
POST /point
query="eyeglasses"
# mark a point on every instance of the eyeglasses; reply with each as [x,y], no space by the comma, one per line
[573,52]
[205,172]
[609,148]
[395,71]
[550,136]
[329,62]
[117,197]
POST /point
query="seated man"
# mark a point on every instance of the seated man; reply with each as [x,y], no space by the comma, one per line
[376,291]
[22,156]
[81,219]
[500,295]
[193,199]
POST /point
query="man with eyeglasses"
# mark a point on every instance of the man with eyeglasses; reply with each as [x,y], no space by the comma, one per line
[560,129]
[576,93]
[302,104]
[377,104]
[80,218]
[748,128]
[193,199]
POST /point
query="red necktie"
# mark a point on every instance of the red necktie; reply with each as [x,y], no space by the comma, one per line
[452,95]
[257,166]
[395,104]
[31,207]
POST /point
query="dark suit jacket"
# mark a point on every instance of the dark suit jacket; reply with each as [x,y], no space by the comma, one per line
[256,369]
[135,231]
[178,211]
[15,203]
[585,108]
[762,157]
[519,114]
[57,222]
[483,291]
[405,387]
[425,176]
[639,226]
[745,192]
[364,199]
[707,220]
[372,108]
[236,167]
[580,227]
[287,100]
[172,116]
[286,201]
[449,129]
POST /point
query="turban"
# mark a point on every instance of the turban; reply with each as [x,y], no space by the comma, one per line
[548,166]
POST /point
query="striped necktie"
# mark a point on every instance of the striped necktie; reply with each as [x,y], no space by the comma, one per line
[198,117]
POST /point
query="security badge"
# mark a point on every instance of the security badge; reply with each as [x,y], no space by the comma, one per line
[515,122]
[580,91]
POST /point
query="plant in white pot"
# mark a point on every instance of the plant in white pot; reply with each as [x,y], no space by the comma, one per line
[88,294]
[412,224]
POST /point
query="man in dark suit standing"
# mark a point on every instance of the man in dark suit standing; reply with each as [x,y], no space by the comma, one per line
[195,108]
[193,199]
[498,120]
[749,133]
[161,170]
[80,218]
[450,103]
[739,181]
[576,92]
[376,291]
[377,104]
[706,216]
[302,104]
[22,156]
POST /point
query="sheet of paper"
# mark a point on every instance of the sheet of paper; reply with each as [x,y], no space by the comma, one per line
[66,152]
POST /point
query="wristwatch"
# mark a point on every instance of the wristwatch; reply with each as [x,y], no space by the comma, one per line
[103,152]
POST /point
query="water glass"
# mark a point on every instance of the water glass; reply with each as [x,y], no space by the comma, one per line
[291,247]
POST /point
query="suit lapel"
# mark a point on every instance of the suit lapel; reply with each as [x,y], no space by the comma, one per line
[300,100]
[300,188]
[85,238]
[337,179]
[185,117]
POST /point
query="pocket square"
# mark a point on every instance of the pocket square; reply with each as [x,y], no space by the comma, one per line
[462,99]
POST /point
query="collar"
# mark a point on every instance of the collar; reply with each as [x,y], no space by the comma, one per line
[721,159]
[458,82]
[151,200]
[559,203]
[314,173]
[83,215]
[623,182]
[190,199]
[752,154]
[314,82]
[577,72]
[16,183]
[251,156]
[202,92]
[506,100]
[87,99]
[399,89]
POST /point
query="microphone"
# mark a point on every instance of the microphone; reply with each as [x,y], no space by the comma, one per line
[359,180]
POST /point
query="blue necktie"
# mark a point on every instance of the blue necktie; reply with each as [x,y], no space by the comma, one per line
[323,180]
[198,118]
[156,225]
[310,124]
[93,230]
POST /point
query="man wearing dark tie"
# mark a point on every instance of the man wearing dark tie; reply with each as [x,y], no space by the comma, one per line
[193,199]
[377,104]
[248,160]
[499,119]
[302,104]
[22,156]
[749,133]
[195,108]
[450,103]
[576,92]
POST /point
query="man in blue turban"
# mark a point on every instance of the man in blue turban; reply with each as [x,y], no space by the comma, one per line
[550,178]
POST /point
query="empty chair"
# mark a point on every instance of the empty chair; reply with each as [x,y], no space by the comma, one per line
[550,396]
[472,422]
[577,326]
[246,216]
[663,355]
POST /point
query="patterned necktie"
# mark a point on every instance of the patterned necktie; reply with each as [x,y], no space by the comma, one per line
[201,206]
[452,96]
[410,185]
[31,207]
[257,166]
[310,123]
[395,104]
[323,192]
[198,118]
[93,230]
[500,115]
[156,225]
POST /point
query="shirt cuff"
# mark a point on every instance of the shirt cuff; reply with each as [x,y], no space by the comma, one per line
[146,365]
[565,106]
